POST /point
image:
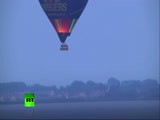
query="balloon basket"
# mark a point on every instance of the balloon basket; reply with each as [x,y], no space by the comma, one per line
[64,47]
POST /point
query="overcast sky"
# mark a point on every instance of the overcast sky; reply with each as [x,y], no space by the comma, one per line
[113,38]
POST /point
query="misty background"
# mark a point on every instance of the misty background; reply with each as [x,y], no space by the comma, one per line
[111,70]
[117,39]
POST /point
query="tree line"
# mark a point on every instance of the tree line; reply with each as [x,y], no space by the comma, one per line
[113,89]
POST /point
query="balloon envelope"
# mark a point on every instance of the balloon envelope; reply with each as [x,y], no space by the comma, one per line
[63,14]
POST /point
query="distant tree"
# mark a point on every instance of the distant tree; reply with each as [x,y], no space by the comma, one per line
[131,89]
[113,88]
[101,86]
[76,87]
[54,88]
[91,87]
[113,83]
[38,87]
[90,84]
[150,89]
[61,90]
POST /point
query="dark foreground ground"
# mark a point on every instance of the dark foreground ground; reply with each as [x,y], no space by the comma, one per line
[100,110]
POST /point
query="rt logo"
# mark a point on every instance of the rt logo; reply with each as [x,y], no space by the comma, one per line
[29,100]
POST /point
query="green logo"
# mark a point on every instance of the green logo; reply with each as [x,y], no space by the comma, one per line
[29,100]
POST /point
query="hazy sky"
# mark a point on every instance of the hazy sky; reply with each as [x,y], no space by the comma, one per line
[113,38]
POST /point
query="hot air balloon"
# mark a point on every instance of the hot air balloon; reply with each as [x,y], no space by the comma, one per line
[63,15]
